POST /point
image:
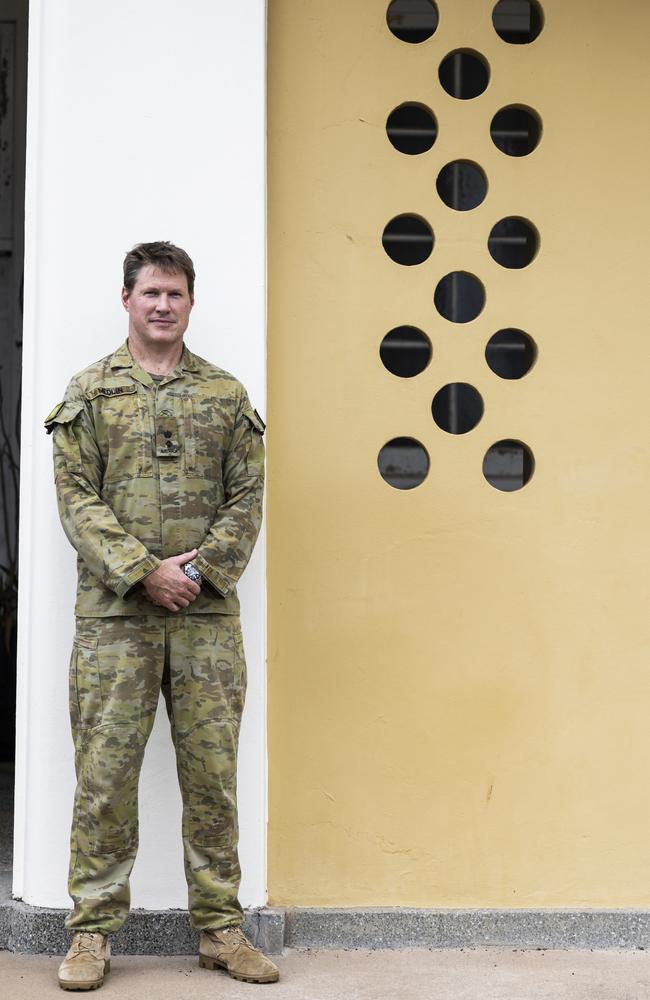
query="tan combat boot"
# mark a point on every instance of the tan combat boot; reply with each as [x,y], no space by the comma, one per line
[231,950]
[87,962]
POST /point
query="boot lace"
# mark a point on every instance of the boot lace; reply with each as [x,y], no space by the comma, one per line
[87,941]
[235,938]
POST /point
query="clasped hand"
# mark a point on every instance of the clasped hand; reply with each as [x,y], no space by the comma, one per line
[168,585]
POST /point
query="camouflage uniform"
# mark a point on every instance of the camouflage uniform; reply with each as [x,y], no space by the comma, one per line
[146,470]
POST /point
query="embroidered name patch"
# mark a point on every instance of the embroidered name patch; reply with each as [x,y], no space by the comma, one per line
[112,390]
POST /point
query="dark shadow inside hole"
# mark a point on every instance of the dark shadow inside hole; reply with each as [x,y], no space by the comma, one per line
[412,129]
[412,20]
[518,21]
[508,465]
[403,463]
[459,297]
[457,408]
[510,353]
[461,185]
[405,351]
[513,242]
[408,240]
[464,74]
[515,131]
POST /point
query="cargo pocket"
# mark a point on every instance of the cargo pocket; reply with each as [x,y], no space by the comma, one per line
[240,677]
[85,688]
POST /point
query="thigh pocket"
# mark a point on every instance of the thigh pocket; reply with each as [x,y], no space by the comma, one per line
[239,693]
[207,758]
[85,688]
[112,758]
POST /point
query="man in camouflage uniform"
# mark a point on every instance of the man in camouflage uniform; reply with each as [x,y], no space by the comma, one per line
[159,465]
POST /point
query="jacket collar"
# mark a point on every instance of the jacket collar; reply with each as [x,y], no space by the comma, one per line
[122,358]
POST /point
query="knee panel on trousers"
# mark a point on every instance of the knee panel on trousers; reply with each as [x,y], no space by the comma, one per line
[110,758]
[207,763]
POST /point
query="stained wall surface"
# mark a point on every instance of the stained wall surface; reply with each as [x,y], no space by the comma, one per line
[458,676]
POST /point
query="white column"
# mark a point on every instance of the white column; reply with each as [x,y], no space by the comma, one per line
[145,122]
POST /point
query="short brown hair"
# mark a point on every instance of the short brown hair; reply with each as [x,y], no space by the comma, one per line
[162,255]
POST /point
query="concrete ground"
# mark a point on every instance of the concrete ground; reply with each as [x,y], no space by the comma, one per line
[486,974]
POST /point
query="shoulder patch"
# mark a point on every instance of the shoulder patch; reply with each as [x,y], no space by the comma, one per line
[52,415]
[63,413]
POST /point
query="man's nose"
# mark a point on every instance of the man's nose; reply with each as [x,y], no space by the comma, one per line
[162,305]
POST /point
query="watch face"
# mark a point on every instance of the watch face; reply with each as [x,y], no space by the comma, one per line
[192,573]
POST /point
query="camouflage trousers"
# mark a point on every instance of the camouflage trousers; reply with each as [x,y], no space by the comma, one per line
[117,670]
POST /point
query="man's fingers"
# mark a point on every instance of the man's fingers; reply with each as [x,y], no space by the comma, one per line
[184,557]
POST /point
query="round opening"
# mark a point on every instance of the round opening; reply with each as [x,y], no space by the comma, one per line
[408,239]
[462,185]
[457,407]
[403,463]
[508,465]
[518,21]
[515,130]
[412,128]
[510,353]
[405,351]
[459,297]
[464,74]
[412,20]
[513,242]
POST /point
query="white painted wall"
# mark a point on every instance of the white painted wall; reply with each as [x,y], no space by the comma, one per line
[145,121]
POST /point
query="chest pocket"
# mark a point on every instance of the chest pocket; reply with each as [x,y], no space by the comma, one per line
[121,431]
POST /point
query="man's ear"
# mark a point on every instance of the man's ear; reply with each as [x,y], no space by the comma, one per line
[125,299]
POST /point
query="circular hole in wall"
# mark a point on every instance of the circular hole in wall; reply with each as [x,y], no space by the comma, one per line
[516,130]
[518,21]
[462,185]
[408,239]
[513,242]
[464,74]
[403,463]
[510,353]
[405,351]
[508,465]
[459,297]
[457,407]
[412,20]
[412,128]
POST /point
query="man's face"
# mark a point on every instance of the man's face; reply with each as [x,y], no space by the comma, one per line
[159,307]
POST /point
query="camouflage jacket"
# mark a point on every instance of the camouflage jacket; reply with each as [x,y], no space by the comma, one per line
[145,470]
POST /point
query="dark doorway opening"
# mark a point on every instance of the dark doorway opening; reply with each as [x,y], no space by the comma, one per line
[13,111]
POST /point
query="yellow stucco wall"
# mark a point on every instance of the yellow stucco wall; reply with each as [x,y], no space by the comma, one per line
[459,678]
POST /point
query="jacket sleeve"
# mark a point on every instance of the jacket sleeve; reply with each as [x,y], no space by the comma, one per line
[114,556]
[224,554]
